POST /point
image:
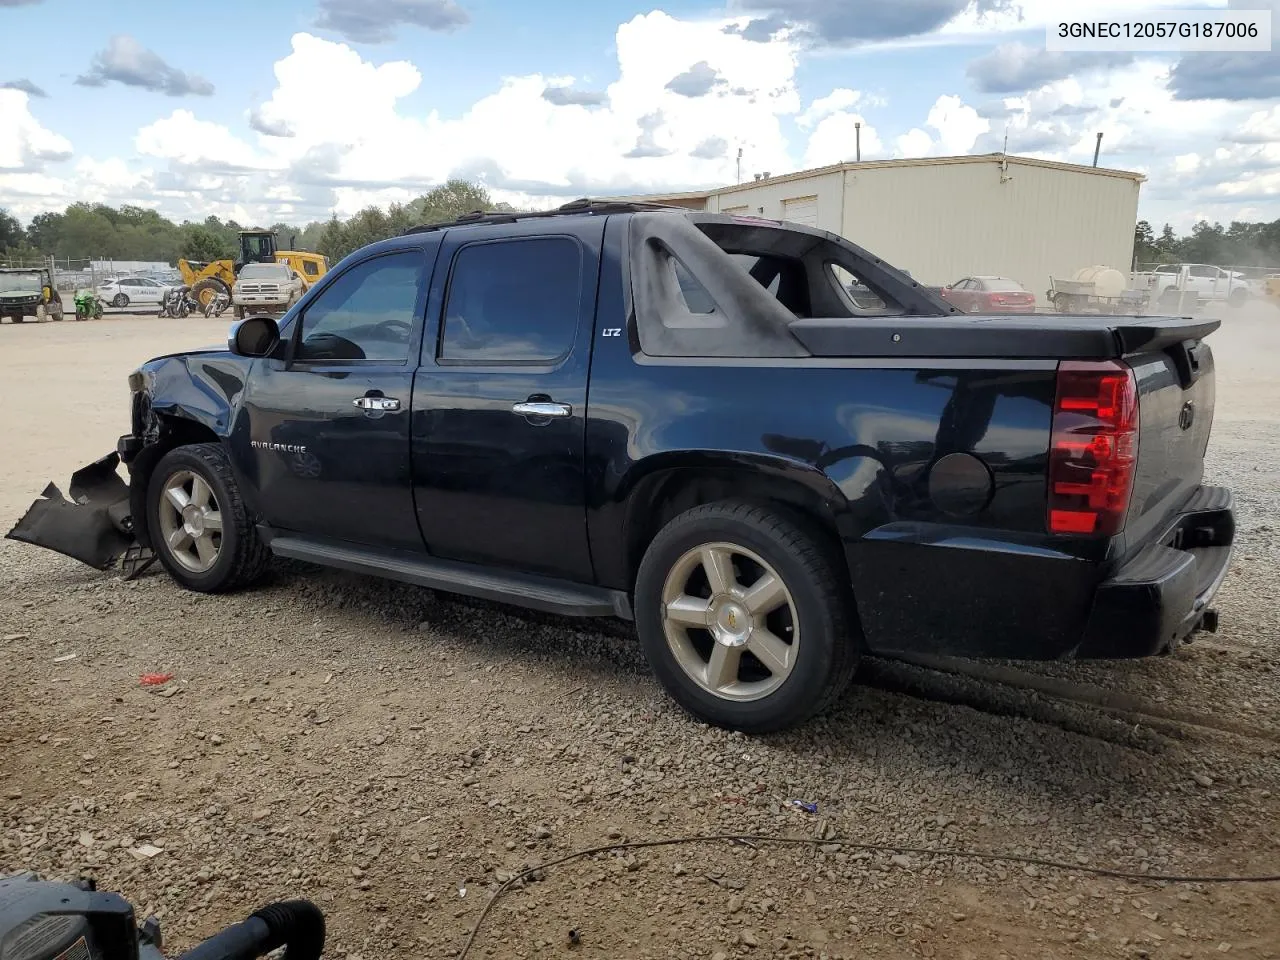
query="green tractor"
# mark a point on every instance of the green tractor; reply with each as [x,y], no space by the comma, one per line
[29,292]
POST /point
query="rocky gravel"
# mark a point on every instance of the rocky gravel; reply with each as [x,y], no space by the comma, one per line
[397,755]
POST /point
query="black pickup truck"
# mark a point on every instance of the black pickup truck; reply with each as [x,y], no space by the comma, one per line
[686,420]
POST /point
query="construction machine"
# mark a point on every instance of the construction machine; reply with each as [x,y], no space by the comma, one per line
[209,280]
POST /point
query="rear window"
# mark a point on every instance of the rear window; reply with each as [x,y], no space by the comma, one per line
[1000,285]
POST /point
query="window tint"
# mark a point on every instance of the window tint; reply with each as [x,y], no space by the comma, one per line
[513,300]
[695,295]
[1203,271]
[309,268]
[865,300]
[1001,285]
[368,313]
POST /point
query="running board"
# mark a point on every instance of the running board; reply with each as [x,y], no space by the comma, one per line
[468,579]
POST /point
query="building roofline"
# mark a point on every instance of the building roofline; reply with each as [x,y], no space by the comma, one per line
[847,166]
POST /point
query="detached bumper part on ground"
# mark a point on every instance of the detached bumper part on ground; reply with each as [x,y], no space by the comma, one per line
[94,526]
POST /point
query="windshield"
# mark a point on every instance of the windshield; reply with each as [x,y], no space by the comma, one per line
[13,282]
[264,271]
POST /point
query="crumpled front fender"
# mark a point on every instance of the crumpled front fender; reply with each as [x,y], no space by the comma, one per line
[94,526]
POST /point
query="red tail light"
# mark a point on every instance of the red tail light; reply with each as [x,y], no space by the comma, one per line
[1094,448]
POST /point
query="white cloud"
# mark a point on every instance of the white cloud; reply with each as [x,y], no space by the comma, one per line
[834,140]
[182,138]
[914,143]
[365,147]
[26,144]
[1186,163]
[838,100]
[956,125]
[367,143]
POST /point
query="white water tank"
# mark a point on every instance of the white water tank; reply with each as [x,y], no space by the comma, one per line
[1107,281]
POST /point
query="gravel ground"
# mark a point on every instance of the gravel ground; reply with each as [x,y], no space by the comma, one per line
[395,754]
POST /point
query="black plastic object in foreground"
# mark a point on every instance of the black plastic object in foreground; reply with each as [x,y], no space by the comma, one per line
[296,925]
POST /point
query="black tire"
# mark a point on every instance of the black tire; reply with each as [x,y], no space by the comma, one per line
[203,291]
[242,558]
[814,575]
[120,301]
[1238,297]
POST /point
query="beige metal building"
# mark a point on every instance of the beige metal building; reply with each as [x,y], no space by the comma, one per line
[947,218]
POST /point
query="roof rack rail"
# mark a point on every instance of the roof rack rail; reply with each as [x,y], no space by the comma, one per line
[582,205]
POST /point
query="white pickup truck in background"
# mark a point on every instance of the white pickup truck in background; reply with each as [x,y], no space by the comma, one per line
[266,288]
[1169,281]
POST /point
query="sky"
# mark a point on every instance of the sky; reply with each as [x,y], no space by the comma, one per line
[294,110]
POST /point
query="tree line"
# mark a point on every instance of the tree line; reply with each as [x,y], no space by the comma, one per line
[1238,245]
[85,231]
[96,231]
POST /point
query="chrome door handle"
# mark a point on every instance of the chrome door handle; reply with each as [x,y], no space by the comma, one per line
[532,408]
[376,403]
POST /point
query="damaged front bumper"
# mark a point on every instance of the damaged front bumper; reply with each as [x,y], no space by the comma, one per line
[94,526]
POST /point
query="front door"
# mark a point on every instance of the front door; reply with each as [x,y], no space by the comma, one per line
[327,438]
[499,428]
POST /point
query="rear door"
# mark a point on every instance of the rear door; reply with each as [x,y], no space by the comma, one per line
[499,425]
[327,444]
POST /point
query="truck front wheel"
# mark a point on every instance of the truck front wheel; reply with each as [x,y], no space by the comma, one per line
[198,524]
[746,617]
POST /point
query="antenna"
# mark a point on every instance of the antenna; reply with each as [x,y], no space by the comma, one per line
[1097,149]
[857,132]
[739,164]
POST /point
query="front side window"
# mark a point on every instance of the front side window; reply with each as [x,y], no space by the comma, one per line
[513,301]
[368,313]
[309,268]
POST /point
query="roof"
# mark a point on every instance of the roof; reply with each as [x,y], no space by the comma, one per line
[883,164]
[582,207]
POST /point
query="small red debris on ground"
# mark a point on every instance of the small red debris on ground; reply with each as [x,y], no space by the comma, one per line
[155,679]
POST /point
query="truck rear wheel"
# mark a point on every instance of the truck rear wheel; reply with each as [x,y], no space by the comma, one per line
[1238,297]
[746,617]
[199,526]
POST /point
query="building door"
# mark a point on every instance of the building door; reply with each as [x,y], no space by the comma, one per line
[802,210]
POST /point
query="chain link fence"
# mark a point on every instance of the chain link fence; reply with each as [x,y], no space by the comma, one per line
[70,274]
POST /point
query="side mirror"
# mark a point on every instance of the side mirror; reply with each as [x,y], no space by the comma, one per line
[254,337]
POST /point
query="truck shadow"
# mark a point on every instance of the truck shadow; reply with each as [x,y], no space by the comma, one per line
[1061,759]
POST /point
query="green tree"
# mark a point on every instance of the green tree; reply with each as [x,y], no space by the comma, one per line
[203,245]
[1144,243]
[333,240]
[1168,244]
[12,236]
[450,201]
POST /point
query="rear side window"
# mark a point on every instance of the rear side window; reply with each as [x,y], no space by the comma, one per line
[513,301]
[368,313]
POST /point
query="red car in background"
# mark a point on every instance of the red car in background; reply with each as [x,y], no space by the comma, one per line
[990,295]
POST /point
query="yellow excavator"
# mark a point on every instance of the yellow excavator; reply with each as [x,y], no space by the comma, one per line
[207,280]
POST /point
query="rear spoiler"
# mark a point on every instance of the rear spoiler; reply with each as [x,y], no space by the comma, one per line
[1029,337]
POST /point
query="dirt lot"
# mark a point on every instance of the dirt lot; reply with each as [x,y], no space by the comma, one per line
[394,754]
